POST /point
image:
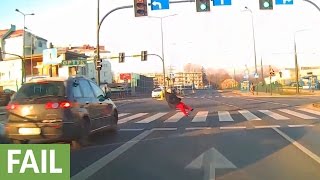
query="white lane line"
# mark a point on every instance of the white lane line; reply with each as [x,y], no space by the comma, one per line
[201,116]
[216,96]
[164,129]
[175,118]
[310,111]
[198,128]
[152,118]
[271,126]
[299,146]
[124,120]
[235,127]
[131,129]
[301,125]
[122,114]
[203,97]
[248,115]
[102,162]
[224,116]
[300,115]
[274,115]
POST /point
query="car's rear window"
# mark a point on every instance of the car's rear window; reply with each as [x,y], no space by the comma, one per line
[39,89]
[157,90]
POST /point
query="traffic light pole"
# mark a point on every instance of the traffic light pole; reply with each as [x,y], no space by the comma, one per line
[163,70]
[270,86]
[314,4]
[99,23]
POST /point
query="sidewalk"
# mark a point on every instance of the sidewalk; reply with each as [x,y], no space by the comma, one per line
[315,106]
[264,94]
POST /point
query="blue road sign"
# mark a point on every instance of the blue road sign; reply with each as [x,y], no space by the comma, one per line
[159,4]
[278,2]
[221,2]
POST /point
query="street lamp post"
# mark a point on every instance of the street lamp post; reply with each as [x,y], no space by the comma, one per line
[162,44]
[254,44]
[24,41]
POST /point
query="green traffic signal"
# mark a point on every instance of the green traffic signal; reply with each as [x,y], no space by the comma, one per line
[203,5]
[266,4]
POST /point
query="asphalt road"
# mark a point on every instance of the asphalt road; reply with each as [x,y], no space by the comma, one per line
[227,136]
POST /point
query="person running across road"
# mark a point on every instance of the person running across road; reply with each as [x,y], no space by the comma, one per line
[175,102]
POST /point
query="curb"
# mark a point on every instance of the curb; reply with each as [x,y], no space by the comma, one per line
[3,113]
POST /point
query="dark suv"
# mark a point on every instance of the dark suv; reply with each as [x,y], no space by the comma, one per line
[59,109]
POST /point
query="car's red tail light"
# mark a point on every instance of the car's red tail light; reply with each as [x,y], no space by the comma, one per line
[65,104]
[12,106]
[55,105]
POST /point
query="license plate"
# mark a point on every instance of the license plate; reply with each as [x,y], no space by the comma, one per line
[29,131]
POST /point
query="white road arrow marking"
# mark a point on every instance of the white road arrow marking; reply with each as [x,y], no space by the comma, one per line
[210,161]
[155,3]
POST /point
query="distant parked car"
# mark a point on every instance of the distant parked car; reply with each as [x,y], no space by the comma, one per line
[156,93]
[5,96]
[59,109]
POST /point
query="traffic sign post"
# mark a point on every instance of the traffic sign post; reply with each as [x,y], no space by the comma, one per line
[159,4]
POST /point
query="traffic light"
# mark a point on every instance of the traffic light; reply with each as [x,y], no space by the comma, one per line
[266,4]
[144,55]
[271,72]
[203,5]
[280,74]
[121,57]
[140,8]
[98,63]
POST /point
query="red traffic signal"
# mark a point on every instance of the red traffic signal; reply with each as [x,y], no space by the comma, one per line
[140,8]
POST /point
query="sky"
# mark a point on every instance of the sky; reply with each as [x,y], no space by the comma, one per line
[221,38]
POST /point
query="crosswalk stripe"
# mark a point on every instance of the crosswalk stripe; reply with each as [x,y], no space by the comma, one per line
[217,96]
[175,118]
[310,111]
[248,115]
[124,120]
[122,114]
[201,116]
[300,115]
[274,115]
[224,116]
[151,118]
